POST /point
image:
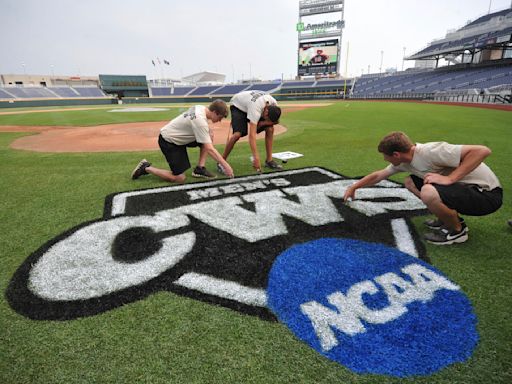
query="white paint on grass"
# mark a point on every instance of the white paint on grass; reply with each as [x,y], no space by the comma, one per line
[223,288]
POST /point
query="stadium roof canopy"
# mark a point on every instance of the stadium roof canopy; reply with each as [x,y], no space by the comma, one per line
[204,78]
[488,31]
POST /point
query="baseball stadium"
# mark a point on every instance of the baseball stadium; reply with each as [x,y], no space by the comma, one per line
[273,275]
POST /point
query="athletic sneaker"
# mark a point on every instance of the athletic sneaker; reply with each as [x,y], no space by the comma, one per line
[203,173]
[509,222]
[437,224]
[220,169]
[446,237]
[140,169]
[272,165]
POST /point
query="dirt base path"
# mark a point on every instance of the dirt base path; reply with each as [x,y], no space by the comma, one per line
[106,138]
[115,137]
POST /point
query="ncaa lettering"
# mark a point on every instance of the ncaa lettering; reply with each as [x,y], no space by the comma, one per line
[351,308]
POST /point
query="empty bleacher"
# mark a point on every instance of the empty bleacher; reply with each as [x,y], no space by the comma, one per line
[180,91]
[64,92]
[298,84]
[266,87]
[50,92]
[203,91]
[30,92]
[89,91]
[162,91]
[230,89]
[168,91]
[5,95]
[432,81]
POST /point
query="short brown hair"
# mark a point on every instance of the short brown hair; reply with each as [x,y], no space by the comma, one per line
[395,142]
[219,107]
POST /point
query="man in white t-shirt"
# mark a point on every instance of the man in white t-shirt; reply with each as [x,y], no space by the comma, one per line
[259,110]
[449,179]
[190,129]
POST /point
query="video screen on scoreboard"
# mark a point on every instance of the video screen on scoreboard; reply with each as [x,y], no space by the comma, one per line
[317,57]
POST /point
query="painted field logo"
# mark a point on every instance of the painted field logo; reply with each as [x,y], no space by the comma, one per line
[218,241]
[372,308]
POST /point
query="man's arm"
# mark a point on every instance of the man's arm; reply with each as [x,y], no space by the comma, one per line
[219,159]
[471,156]
[254,149]
[371,179]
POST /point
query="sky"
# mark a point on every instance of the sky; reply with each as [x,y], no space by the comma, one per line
[241,39]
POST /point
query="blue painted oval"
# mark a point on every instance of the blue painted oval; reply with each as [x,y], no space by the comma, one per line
[428,337]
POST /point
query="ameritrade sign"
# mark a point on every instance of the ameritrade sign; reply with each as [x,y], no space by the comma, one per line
[347,279]
[325,26]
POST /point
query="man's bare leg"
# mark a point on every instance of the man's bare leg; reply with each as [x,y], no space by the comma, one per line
[435,205]
[230,144]
[269,141]
[166,175]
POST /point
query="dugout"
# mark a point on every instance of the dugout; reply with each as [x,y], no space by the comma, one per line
[124,85]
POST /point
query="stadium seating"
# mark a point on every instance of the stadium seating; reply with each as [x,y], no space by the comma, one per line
[64,92]
[301,84]
[30,93]
[230,89]
[267,87]
[5,95]
[203,91]
[50,92]
[89,91]
[432,81]
[168,91]
[162,91]
[181,91]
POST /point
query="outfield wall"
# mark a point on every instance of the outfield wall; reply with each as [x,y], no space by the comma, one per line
[19,103]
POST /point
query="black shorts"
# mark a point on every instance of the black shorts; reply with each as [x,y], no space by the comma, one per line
[176,155]
[466,199]
[239,121]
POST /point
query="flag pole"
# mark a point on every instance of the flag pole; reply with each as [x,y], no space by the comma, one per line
[346,70]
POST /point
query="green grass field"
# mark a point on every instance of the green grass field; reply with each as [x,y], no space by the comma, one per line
[168,338]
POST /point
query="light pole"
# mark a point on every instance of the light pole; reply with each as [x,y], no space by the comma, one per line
[24,71]
[381,60]
[403,59]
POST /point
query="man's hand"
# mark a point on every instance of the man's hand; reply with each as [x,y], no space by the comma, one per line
[256,164]
[349,194]
[228,171]
[435,178]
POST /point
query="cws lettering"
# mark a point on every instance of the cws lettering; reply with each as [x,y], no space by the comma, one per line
[214,241]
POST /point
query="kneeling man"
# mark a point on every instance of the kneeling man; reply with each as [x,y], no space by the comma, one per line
[190,129]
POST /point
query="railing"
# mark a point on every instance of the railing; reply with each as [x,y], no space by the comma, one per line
[396,96]
[484,99]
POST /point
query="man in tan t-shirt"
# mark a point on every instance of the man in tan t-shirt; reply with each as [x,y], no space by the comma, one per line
[449,179]
[190,129]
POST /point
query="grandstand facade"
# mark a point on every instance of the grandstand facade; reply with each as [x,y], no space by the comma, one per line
[479,57]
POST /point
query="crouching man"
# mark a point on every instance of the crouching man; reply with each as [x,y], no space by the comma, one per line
[449,179]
